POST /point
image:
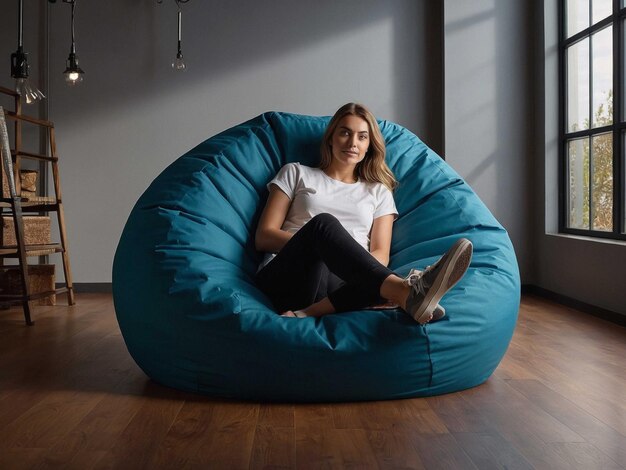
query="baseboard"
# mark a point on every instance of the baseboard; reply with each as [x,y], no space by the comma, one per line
[599,312]
[91,287]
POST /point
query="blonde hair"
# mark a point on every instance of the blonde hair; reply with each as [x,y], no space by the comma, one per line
[373,167]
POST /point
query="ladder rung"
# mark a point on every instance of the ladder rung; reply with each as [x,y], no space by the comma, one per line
[34,207]
[33,296]
[34,156]
[32,120]
[31,250]
[8,91]
[28,205]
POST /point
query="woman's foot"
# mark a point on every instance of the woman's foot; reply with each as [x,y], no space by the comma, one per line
[294,314]
[429,286]
[439,311]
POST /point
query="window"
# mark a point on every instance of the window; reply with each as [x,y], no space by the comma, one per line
[592,122]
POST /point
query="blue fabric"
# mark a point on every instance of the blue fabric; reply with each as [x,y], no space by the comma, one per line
[193,319]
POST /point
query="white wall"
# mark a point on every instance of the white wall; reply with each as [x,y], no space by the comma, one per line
[487,110]
[133,115]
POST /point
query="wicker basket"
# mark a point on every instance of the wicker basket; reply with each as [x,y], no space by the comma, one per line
[36,230]
[5,186]
[28,183]
[40,279]
[28,180]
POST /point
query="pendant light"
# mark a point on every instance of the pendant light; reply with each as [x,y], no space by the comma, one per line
[20,67]
[73,73]
[179,63]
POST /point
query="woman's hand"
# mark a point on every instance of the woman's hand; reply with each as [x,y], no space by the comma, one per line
[380,238]
[269,237]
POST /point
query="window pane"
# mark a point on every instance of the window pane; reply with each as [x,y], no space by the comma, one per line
[601,9]
[577,16]
[602,43]
[578,86]
[578,185]
[602,189]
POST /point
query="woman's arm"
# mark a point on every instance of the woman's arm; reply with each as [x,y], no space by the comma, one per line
[380,238]
[269,237]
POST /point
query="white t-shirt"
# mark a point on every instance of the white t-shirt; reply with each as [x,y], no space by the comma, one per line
[313,192]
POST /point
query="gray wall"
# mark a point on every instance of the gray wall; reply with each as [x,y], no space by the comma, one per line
[487,96]
[133,115]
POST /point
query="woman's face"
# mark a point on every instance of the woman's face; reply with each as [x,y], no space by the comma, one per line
[350,140]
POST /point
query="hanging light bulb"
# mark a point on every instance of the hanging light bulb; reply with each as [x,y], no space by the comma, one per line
[73,73]
[179,63]
[20,67]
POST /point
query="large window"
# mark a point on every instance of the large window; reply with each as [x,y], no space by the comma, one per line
[592,123]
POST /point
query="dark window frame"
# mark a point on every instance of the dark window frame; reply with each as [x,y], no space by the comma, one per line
[618,128]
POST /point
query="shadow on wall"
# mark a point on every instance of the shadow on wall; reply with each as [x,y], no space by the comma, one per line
[493,122]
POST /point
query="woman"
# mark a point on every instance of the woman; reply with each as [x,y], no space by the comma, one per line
[327,232]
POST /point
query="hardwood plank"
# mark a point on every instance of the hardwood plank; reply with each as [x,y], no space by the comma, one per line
[583,456]
[44,424]
[491,451]
[99,430]
[415,414]
[88,371]
[592,429]
[502,405]
[527,436]
[441,451]
[140,440]
[456,415]
[273,447]
[18,459]
[84,459]
[190,431]
[334,448]
[576,364]
[276,414]
[312,417]
[394,449]
[313,424]
[229,444]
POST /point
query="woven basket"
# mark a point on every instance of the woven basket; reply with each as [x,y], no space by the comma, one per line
[28,183]
[36,230]
[28,180]
[41,278]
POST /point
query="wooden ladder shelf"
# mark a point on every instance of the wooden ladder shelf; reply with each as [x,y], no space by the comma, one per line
[15,206]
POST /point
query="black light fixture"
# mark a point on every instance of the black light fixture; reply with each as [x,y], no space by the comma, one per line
[20,67]
[179,63]
[73,73]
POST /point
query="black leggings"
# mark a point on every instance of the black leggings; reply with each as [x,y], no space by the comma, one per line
[323,260]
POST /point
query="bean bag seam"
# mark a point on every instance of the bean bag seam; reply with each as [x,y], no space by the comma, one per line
[430,357]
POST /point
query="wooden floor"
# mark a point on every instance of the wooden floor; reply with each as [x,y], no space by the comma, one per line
[71,397]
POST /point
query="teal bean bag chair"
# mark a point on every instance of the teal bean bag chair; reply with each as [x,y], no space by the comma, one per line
[192,317]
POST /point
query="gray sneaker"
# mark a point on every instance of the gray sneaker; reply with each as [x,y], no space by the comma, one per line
[439,311]
[430,285]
